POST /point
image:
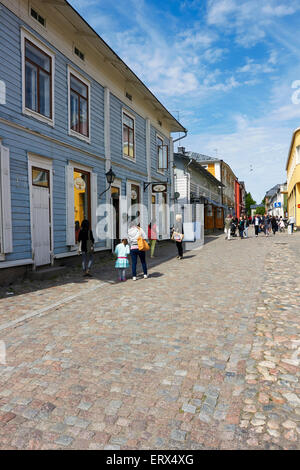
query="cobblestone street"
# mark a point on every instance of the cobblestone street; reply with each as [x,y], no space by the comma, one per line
[204,354]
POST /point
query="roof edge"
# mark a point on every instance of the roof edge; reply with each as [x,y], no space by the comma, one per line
[291,146]
[183,129]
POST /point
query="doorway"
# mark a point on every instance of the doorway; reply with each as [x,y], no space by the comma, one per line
[41,213]
[115,195]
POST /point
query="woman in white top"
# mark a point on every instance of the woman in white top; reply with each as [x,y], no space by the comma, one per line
[134,232]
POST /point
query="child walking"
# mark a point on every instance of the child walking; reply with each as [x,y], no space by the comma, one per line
[122,251]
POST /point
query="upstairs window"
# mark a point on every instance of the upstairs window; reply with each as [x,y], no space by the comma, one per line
[79,106]
[38,80]
[37,17]
[298,155]
[162,154]
[128,136]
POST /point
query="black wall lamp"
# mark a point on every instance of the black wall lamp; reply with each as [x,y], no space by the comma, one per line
[110,178]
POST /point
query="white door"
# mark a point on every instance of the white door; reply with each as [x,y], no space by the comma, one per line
[41,216]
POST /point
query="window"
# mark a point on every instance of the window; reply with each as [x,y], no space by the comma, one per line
[38,80]
[37,17]
[79,53]
[40,177]
[298,155]
[134,203]
[79,106]
[162,154]
[128,136]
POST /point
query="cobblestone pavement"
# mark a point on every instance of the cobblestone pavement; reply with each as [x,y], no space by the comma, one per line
[202,355]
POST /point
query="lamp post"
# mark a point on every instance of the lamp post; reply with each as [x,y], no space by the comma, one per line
[110,178]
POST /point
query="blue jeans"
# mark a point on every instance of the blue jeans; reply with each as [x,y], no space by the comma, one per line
[134,257]
[87,260]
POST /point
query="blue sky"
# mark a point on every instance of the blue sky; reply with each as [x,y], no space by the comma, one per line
[225,68]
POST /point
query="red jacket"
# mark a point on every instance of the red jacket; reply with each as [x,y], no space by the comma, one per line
[152,232]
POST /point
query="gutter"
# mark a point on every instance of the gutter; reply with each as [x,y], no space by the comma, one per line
[183,137]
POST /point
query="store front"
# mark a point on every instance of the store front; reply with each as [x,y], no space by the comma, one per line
[82,199]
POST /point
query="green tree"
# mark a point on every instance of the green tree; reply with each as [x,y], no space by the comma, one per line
[249,201]
[260,210]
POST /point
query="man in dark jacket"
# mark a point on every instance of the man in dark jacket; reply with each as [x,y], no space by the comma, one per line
[86,246]
[241,227]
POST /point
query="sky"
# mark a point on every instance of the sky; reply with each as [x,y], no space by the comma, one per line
[228,70]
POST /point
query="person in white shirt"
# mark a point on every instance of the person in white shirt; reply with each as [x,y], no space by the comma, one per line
[256,224]
[292,222]
[134,232]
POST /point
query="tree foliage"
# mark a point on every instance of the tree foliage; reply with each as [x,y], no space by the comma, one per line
[249,201]
[260,210]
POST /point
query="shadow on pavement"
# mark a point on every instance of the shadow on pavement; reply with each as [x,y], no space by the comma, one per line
[103,270]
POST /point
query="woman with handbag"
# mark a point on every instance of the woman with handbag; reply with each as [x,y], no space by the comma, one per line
[86,246]
[178,235]
[138,247]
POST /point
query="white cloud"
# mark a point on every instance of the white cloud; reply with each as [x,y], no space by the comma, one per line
[249,20]
[218,11]
[255,68]
[214,55]
[265,147]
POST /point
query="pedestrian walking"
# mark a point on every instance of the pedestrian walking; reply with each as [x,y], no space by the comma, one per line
[135,233]
[268,225]
[241,227]
[152,237]
[281,224]
[257,223]
[178,235]
[274,225]
[86,247]
[227,226]
[291,222]
[122,250]
[246,226]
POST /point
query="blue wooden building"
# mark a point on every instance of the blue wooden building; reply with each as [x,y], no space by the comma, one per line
[71,110]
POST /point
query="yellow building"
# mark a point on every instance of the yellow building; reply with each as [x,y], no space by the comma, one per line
[293,177]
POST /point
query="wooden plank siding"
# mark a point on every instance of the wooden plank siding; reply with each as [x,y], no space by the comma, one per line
[24,134]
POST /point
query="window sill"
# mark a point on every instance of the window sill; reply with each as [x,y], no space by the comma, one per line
[39,117]
[79,136]
[133,160]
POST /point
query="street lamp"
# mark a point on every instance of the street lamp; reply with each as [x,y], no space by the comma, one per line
[110,178]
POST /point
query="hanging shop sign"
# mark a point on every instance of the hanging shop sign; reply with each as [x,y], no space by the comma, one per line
[134,194]
[79,183]
[159,188]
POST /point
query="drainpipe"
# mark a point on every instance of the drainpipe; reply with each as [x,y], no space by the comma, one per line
[183,137]
[187,173]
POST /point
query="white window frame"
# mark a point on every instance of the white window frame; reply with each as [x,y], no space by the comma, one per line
[126,157]
[159,170]
[29,112]
[72,71]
